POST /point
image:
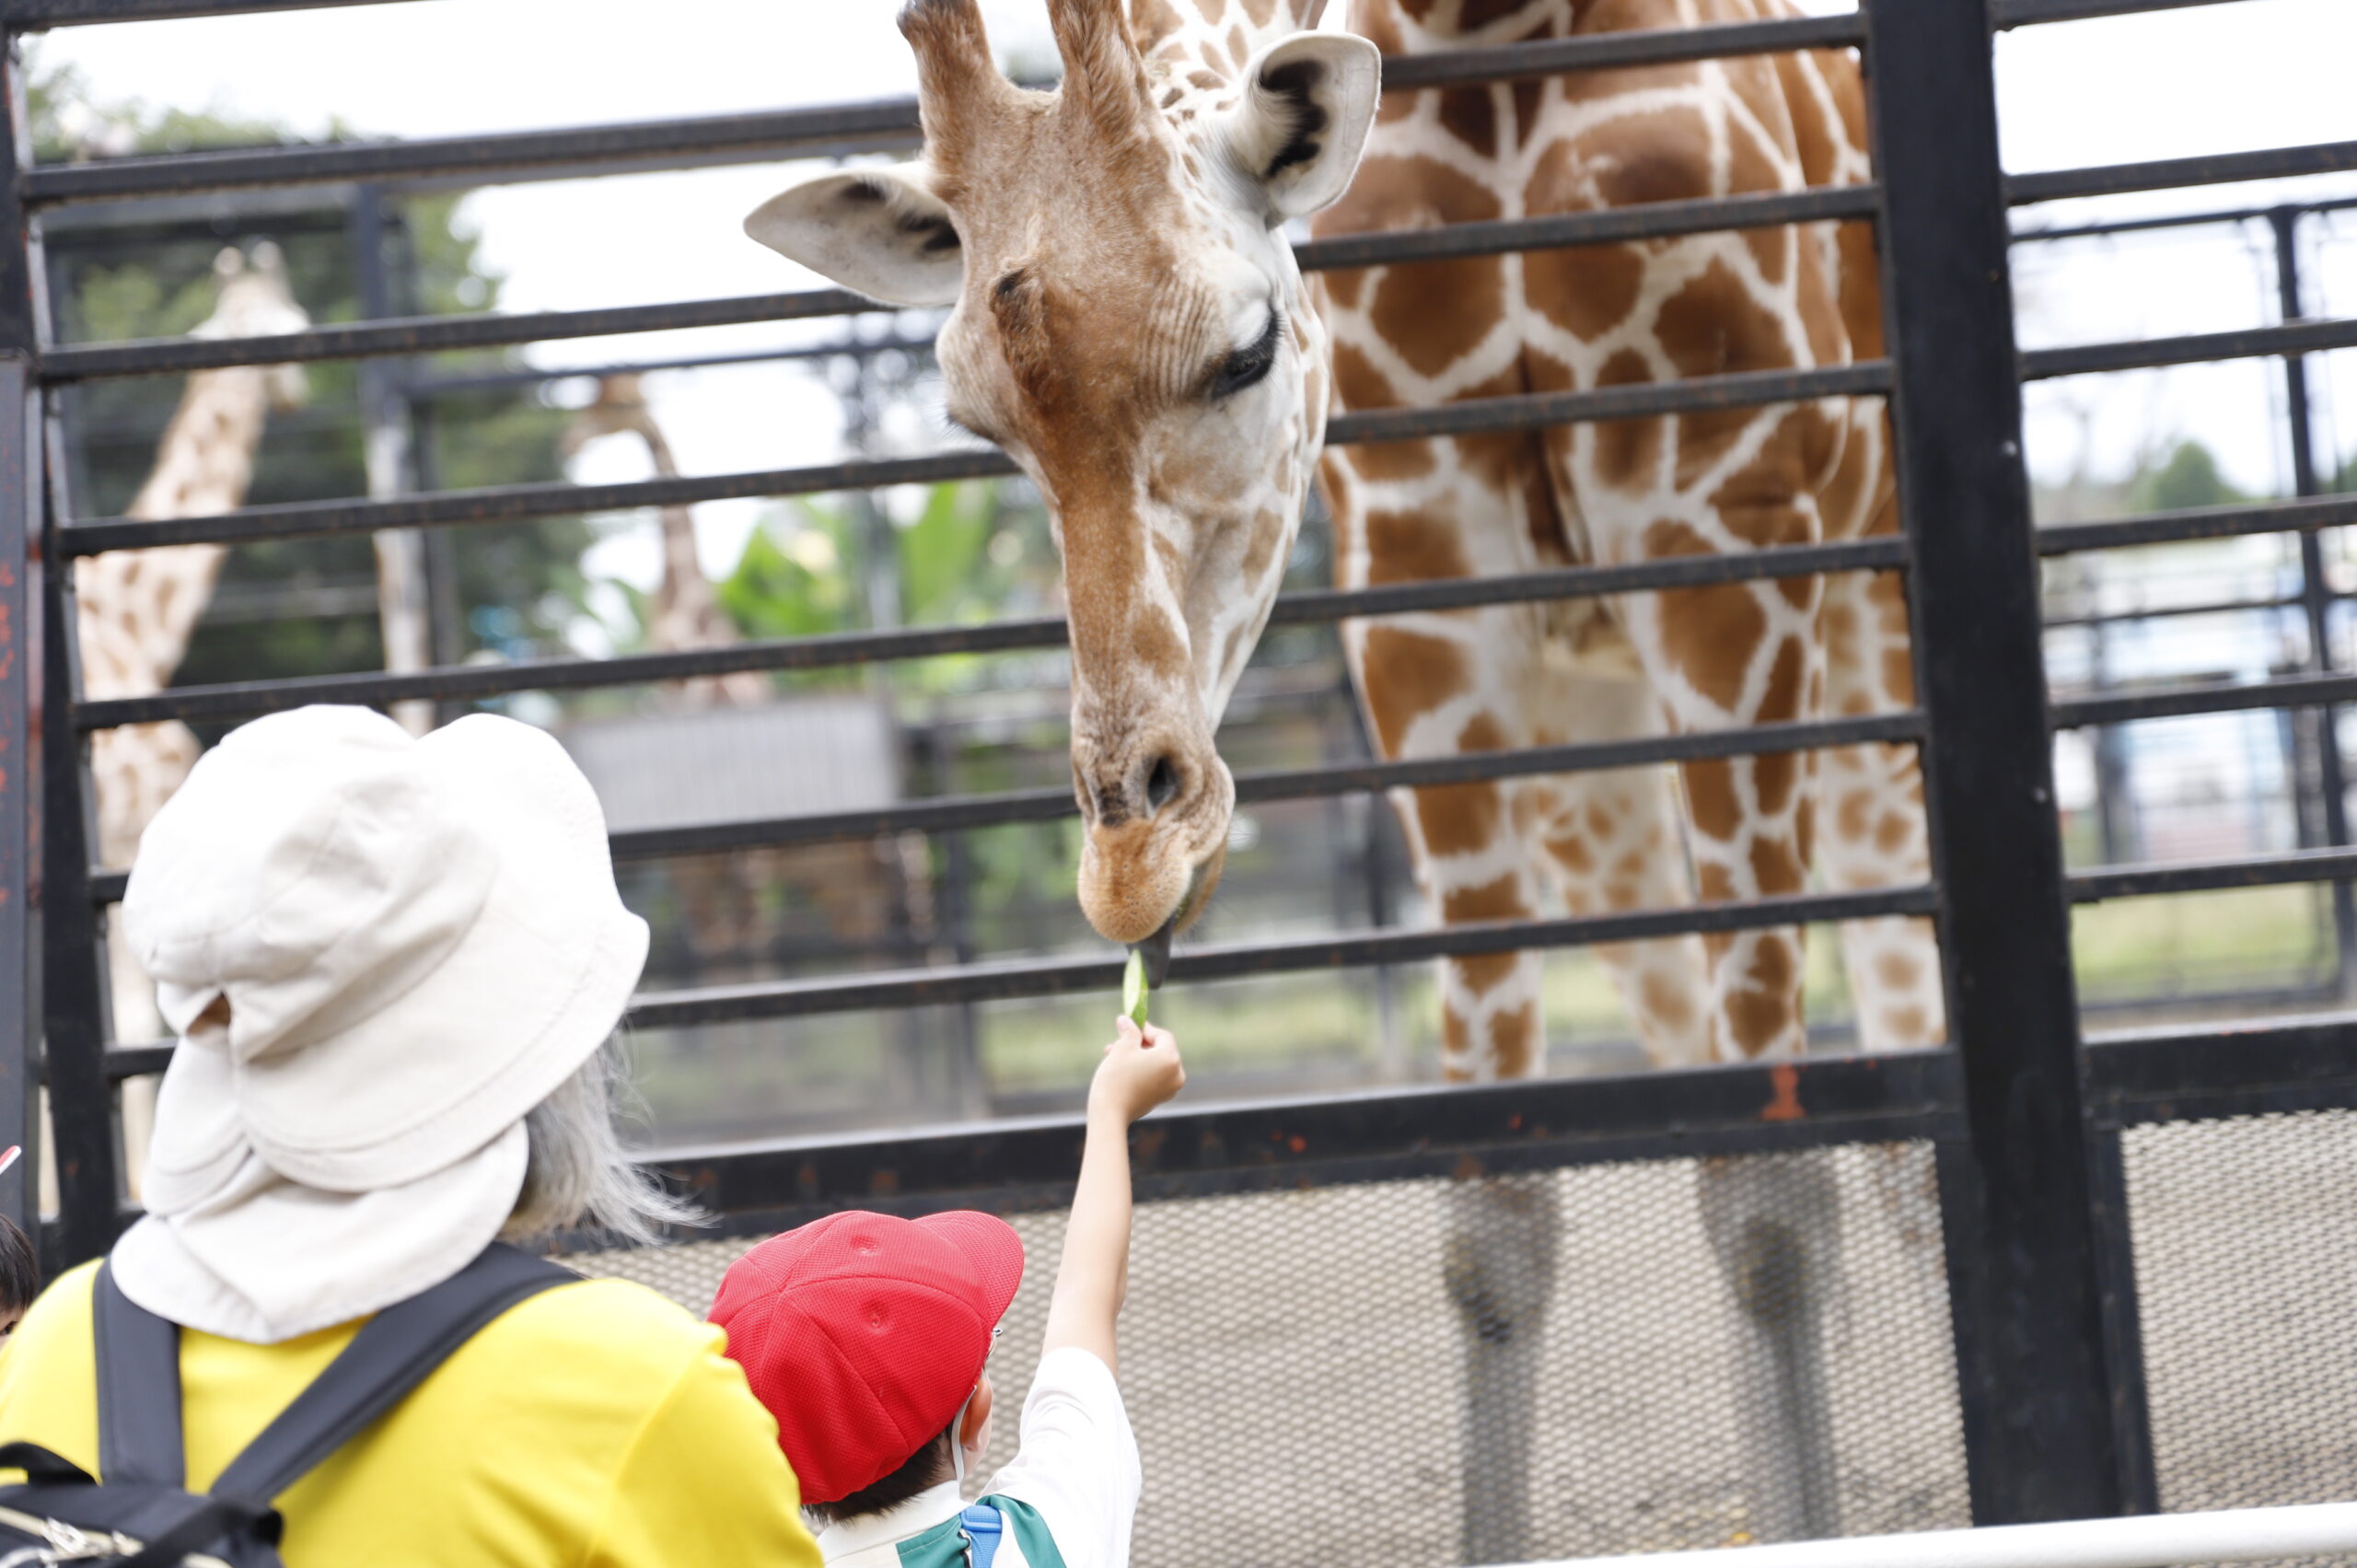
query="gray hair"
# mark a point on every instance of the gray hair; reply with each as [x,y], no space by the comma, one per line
[576,1172]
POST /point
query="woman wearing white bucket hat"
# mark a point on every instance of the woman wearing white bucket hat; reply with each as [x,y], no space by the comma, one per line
[394,965]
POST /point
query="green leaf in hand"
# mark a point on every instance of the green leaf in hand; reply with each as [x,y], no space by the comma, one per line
[1133,990]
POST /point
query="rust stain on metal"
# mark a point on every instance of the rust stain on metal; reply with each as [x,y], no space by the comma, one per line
[1786,1106]
[1468,1169]
[1296,1142]
[883,1183]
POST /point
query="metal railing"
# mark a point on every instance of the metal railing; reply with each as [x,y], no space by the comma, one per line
[2053,1420]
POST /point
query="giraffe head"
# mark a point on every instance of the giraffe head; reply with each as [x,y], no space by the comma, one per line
[253,299]
[618,408]
[1127,321]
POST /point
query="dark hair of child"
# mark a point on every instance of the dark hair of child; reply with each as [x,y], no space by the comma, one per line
[19,1275]
[925,1469]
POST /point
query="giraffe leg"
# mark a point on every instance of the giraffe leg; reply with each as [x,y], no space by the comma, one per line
[1752,653]
[1498,1233]
[1614,843]
[1870,828]
[1774,1227]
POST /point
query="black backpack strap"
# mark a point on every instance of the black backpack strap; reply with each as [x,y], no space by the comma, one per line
[392,1354]
[139,1389]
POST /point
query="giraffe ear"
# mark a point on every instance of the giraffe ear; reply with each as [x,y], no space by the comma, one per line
[880,232]
[1302,125]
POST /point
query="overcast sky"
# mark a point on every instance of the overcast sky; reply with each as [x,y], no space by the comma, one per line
[2256,74]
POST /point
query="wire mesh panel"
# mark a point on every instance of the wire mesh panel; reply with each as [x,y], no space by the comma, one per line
[1297,1370]
[2245,1278]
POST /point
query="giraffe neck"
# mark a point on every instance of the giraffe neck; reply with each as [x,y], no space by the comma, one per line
[140,608]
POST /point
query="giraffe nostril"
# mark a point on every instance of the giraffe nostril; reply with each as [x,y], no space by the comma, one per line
[1161,784]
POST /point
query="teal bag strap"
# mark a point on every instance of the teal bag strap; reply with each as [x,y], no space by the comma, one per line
[1012,1513]
[983,1525]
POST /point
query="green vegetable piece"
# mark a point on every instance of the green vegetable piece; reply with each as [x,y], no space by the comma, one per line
[1133,990]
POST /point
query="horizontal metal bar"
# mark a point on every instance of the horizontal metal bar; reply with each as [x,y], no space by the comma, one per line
[2150,1540]
[461,682]
[880,125]
[2249,342]
[2181,1073]
[2031,13]
[1367,1134]
[1594,52]
[2213,876]
[2168,174]
[2198,523]
[2203,697]
[427,334]
[1006,979]
[429,387]
[433,334]
[2174,611]
[1651,220]
[877,125]
[2181,220]
[516,502]
[35,14]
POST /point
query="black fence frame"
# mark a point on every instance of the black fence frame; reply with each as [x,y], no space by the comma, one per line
[2025,1114]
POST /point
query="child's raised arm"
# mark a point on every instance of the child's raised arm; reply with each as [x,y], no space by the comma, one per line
[1141,1070]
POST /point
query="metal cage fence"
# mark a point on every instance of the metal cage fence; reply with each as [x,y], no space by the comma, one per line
[2028,1400]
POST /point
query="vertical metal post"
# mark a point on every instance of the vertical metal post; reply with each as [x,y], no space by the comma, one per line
[2042,1438]
[74,993]
[2315,594]
[404,604]
[19,813]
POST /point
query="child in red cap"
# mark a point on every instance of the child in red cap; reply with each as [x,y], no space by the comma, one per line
[865,1336]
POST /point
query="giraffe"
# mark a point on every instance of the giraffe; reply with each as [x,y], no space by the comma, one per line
[137,609]
[1129,324]
[849,882]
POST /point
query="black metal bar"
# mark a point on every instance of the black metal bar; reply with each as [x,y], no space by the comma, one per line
[880,125]
[2334,866]
[2168,174]
[2123,1327]
[876,647]
[436,334]
[2249,342]
[20,445]
[2181,1073]
[34,14]
[1379,1133]
[2172,612]
[2029,13]
[2205,697]
[1006,979]
[1650,220]
[2048,1447]
[516,502]
[427,389]
[2315,594]
[2203,522]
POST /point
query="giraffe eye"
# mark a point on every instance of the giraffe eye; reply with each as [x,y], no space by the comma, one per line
[1247,366]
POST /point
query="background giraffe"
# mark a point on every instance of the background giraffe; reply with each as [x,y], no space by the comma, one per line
[855,885]
[137,609]
[1131,326]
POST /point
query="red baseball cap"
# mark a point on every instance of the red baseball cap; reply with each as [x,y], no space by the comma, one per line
[864,1334]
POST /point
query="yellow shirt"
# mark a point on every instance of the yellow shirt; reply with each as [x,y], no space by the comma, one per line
[594,1424]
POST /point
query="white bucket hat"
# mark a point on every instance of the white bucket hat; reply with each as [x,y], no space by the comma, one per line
[416,941]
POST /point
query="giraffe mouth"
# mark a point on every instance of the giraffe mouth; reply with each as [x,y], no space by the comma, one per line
[1155,949]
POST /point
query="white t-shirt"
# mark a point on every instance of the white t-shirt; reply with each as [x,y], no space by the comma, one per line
[1076,1466]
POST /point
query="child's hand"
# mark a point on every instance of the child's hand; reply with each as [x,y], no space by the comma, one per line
[1140,1072]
